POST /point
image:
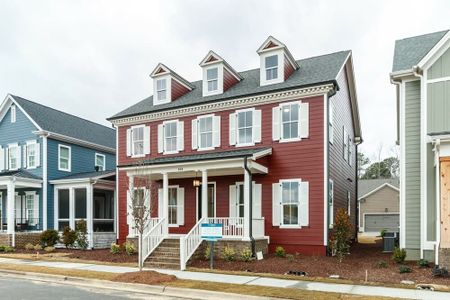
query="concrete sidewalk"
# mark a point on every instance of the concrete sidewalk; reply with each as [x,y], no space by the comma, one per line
[361,290]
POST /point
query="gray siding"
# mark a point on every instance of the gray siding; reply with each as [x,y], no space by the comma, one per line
[412,164]
[438,106]
[386,200]
[441,68]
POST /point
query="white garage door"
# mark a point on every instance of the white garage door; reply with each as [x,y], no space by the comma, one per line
[378,222]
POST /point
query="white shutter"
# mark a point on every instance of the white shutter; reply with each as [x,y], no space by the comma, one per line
[304,120]
[257,126]
[276,204]
[2,159]
[180,206]
[232,129]
[160,138]
[160,203]
[24,156]
[35,220]
[344,137]
[331,122]
[129,141]
[257,193]
[180,135]
[37,154]
[129,216]
[194,140]
[350,146]
[216,131]
[233,201]
[19,157]
[6,158]
[147,140]
[303,203]
[276,129]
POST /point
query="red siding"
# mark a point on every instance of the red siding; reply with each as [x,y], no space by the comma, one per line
[228,80]
[288,69]
[303,159]
[178,89]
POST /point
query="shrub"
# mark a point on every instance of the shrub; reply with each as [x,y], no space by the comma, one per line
[69,237]
[115,249]
[399,255]
[228,253]
[423,263]
[246,254]
[130,249]
[341,234]
[280,252]
[49,237]
[290,257]
[38,247]
[49,249]
[207,254]
[383,232]
[29,246]
[81,233]
[404,269]
[7,249]
[381,264]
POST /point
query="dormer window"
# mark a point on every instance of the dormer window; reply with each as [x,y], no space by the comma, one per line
[272,67]
[161,89]
[13,114]
[212,76]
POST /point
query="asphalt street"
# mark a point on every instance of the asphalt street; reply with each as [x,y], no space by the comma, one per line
[18,289]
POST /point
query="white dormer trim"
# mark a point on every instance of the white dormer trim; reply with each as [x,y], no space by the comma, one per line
[168,98]
[219,67]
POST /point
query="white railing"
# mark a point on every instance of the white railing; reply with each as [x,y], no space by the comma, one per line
[150,224]
[231,227]
[258,228]
[153,238]
[189,243]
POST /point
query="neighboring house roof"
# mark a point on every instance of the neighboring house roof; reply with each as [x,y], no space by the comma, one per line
[313,71]
[410,51]
[20,174]
[86,176]
[55,121]
[206,156]
[370,186]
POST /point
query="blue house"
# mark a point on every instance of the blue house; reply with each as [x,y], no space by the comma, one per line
[55,169]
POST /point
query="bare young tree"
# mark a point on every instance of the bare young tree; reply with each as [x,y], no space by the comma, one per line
[140,206]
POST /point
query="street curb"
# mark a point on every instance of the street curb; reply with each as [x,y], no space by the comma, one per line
[128,287]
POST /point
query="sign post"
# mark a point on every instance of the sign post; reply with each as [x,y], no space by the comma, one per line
[211,232]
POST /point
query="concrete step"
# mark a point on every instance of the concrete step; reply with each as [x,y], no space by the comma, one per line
[162,265]
[161,252]
[158,259]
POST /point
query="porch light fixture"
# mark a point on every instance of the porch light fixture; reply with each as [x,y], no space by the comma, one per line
[196,181]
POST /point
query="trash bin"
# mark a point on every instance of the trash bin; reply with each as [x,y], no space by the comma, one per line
[389,241]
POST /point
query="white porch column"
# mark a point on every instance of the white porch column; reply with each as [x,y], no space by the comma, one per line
[204,194]
[165,202]
[247,186]
[11,195]
[89,214]
[131,231]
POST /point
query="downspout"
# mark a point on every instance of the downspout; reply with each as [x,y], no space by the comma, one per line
[250,193]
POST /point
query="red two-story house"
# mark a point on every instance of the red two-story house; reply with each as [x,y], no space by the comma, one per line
[270,153]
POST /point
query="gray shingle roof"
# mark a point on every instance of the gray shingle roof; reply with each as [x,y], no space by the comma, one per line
[312,71]
[56,121]
[410,51]
[20,173]
[87,175]
[204,156]
[366,186]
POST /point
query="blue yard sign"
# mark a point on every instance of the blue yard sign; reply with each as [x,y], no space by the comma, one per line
[211,231]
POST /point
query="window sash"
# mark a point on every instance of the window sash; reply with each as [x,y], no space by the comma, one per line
[173,206]
[161,89]
[170,136]
[271,65]
[64,158]
[137,137]
[29,198]
[13,154]
[290,202]
[205,129]
[290,120]
[245,127]
[31,155]
[212,77]
[100,162]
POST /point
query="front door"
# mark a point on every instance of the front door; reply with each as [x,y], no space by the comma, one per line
[445,205]
[211,201]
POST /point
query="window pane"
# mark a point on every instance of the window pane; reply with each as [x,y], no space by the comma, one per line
[271,61]
[286,115]
[286,131]
[294,130]
[172,196]
[241,119]
[160,84]
[162,95]
[248,118]
[212,85]
[64,152]
[62,225]
[211,208]
[103,205]
[211,74]
[173,215]
[290,214]
[80,204]
[63,204]
[294,112]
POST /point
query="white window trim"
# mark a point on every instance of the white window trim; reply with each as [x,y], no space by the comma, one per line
[289,226]
[331,207]
[168,79]
[349,203]
[16,146]
[252,143]
[176,137]
[104,160]
[212,132]
[281,58]
[31,193]
[69,169]
[33,142]
[220,73]
[13,114]
[132,141]
[177,207]
[331,124]
[295,139]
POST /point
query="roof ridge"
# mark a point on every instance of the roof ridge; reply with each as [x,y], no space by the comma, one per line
[63,112]
[422,35]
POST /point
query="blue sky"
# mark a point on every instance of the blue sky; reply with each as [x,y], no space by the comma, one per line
[93,58]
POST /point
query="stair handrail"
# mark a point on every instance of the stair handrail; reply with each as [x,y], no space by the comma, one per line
[189,243]
[154,237]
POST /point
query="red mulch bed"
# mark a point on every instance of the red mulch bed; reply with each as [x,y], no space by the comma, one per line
[145,277]
[362,257]
[101,255]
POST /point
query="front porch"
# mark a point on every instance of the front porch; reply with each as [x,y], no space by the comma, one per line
[222,190]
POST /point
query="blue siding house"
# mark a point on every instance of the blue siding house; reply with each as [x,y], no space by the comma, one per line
[55,169]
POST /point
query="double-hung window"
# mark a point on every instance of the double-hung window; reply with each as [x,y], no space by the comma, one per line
[137,146]
[64,158]
[13,157]
[205,131]
[31,154]
[100,161]
[290,121]
[290,202]
[245,127]
[170,136]
[173,205]
[161,89]
[271,64]
[212,79]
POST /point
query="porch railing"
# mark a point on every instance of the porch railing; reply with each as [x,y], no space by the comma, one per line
[153,238]
[22,224]
[150,224]
[231,227]
[189,243]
